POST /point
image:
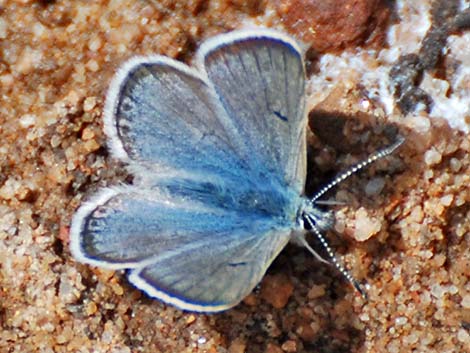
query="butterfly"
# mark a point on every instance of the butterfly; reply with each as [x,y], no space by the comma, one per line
[218,155]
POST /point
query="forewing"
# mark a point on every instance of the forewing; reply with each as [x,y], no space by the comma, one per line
[184,247]
[260,80]
[161,112]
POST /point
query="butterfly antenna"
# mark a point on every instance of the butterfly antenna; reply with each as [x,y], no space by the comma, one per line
[335,261]
[361,165]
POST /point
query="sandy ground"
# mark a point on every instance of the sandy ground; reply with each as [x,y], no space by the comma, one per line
[403,229]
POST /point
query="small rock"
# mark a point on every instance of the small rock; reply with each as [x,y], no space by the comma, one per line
[238,345]
[432,157]
[276,290]
[365,227]
[272,348]
[289,346]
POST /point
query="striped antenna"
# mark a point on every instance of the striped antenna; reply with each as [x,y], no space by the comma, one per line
[355,168]
[312,221]
[332,256]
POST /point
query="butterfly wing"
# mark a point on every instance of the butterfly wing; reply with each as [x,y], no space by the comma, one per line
[186,251]
[215,281]
[161,113]
[260,81]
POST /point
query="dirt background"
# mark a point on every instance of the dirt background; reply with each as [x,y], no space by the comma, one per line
[403,229]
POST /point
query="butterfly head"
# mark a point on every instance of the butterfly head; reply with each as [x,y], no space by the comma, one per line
[309,214]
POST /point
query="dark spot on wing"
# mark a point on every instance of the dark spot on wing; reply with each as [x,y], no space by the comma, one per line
[236,264]
[280,116]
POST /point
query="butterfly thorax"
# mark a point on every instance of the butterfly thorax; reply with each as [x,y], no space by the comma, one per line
[270,201]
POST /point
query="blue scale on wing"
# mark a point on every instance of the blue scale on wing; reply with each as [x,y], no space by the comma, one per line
[179,125]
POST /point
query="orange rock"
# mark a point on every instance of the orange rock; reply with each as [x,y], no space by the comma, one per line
[330,25]
[272,348]
[276,290]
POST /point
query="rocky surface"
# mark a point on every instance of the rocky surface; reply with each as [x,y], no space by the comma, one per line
[403,227]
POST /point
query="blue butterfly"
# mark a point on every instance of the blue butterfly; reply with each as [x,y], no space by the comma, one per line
[219,159]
